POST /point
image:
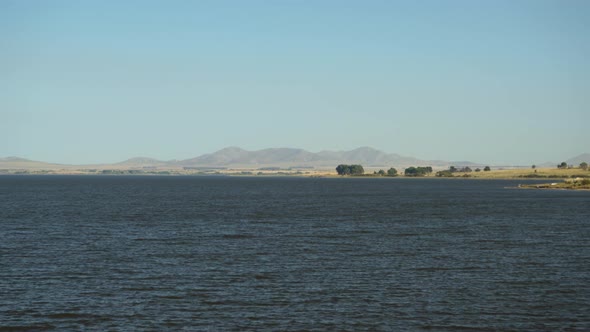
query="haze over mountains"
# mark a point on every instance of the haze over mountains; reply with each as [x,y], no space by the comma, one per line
[298,157]
[274,157]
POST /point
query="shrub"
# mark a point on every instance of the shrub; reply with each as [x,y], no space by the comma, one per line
[417,171]
[392,172]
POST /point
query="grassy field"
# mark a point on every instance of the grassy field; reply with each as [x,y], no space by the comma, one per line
[550,173]
[576,184]
[520,173]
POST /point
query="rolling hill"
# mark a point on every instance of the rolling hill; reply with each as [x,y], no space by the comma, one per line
[235,157]
[577,160]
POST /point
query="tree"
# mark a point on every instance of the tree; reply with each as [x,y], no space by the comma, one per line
[381,172]
[342,169]
[563,165]
[584,165]
[356,170]
[478,170]
[417,171]
[487,169]
[392,172]
[453,169]
[534,166]
[466,169]
[350,169]
[411,171]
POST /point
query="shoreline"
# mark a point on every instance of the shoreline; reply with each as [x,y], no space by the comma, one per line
[575,184]
[310,175]
[546,174]
[565,184]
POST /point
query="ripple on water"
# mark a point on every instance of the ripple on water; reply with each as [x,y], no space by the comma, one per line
[149,253]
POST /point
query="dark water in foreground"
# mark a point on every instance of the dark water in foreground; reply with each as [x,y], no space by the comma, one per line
[203,253]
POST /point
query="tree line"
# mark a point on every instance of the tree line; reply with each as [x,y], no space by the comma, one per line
[356,169]
[344,169]
[564,165]
[412,171]
[450,172]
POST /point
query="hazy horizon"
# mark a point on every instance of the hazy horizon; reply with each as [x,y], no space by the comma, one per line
[498,82]
[281,155]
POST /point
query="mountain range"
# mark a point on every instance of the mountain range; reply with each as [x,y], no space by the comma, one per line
[234,157]
[290,157]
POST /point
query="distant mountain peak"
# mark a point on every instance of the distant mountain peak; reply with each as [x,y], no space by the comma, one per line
[584,157]
[141,161]
[231,149]
[14,159]
[365,148]
[234,156]
[293,156]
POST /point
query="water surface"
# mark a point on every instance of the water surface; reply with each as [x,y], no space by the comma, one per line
[220,253]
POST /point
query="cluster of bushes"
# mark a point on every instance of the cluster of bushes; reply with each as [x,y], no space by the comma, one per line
[131,172]
[577,182]
[445,174]
[417,171]
[467,169]
[121,171]
[450,172]
[535,176]
[390,172]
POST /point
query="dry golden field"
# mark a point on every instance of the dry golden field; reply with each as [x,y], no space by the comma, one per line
[529,173]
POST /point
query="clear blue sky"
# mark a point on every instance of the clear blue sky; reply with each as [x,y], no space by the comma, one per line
[486,81]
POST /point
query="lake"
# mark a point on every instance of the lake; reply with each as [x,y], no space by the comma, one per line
[291,254]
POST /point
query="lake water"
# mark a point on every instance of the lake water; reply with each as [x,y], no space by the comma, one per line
[291,254]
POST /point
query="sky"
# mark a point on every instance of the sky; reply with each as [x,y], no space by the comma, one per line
[500,82]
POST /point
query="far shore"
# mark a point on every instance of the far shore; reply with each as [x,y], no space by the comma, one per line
[516,173]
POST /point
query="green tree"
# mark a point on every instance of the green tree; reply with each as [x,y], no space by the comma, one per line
[534,166]
[357,170]
[487,169]
[343,169]
[410,171]
[392,172]
[478,170]
[417,171]
[563,165]
[381,172]
[453,169]
[584,165]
